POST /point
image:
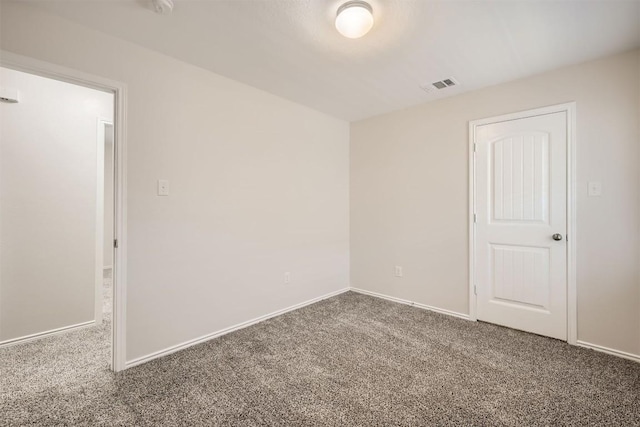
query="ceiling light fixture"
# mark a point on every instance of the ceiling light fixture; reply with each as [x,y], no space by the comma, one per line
[354,19]
[162,7]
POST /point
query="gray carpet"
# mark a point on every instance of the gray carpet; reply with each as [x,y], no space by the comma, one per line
[107,292]
[348,360]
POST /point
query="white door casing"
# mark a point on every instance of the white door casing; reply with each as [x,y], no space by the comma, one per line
[520,203]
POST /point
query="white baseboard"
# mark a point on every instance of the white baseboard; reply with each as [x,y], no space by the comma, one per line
[32,337]
[107,267]
[186,344]
[623,354]
[412,303]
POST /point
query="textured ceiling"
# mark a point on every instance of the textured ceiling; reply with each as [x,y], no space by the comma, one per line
[291,48]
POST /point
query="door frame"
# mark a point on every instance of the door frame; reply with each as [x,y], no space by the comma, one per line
[572,296]
[45,69]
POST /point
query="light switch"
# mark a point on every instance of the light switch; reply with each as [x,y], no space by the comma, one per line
[398,271]
[595,189]
[163,187]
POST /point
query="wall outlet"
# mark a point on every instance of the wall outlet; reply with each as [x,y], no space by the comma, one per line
[398,271]
[595,189]
[163,187]
[287,278]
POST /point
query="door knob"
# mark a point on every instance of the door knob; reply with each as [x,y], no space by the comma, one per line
[557,236]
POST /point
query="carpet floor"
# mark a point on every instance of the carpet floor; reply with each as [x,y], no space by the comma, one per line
[351,360]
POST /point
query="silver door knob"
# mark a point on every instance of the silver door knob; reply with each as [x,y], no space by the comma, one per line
[557,236]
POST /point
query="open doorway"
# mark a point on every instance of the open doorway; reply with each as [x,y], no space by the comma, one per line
[57,170]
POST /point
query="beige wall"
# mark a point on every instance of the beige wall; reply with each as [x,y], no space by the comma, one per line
[48,189]
[259,186]
[409,194]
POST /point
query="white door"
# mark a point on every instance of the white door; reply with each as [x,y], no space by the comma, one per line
[521,224]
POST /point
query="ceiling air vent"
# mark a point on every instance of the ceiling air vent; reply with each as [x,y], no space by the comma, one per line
[8,94]
[441,84]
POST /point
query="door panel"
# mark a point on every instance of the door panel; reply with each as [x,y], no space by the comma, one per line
[521,178]
[521,271]
[519,275]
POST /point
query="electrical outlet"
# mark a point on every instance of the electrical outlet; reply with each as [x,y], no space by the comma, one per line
[163,187]
[398,271]
[287,278]
[595,189]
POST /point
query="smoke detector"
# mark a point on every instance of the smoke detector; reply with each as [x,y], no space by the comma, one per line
[440,85]
[162,7]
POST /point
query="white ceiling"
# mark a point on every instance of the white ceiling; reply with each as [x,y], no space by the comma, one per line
[291,48]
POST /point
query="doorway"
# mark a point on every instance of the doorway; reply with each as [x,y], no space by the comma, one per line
[521,221]
[87,303]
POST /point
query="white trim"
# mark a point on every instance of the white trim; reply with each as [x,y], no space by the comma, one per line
[196,341]
[572,294]
[33,337]
[107,267]
[472,226]
[119,275]
[412,303]
[45,69]
[602,349]
[572,263]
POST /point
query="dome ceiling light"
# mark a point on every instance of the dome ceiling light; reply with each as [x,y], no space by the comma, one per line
[354,19]
[162,7]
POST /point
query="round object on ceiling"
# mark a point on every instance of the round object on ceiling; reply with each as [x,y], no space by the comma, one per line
[162,6]
[354,19]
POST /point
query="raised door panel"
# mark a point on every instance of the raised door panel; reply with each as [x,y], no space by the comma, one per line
[520,178]
[520,276]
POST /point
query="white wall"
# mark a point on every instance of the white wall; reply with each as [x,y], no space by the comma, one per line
[48,173]
[409,194]
[259,186]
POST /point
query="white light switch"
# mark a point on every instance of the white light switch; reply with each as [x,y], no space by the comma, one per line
[595,189]
[163,187]
[398,271]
